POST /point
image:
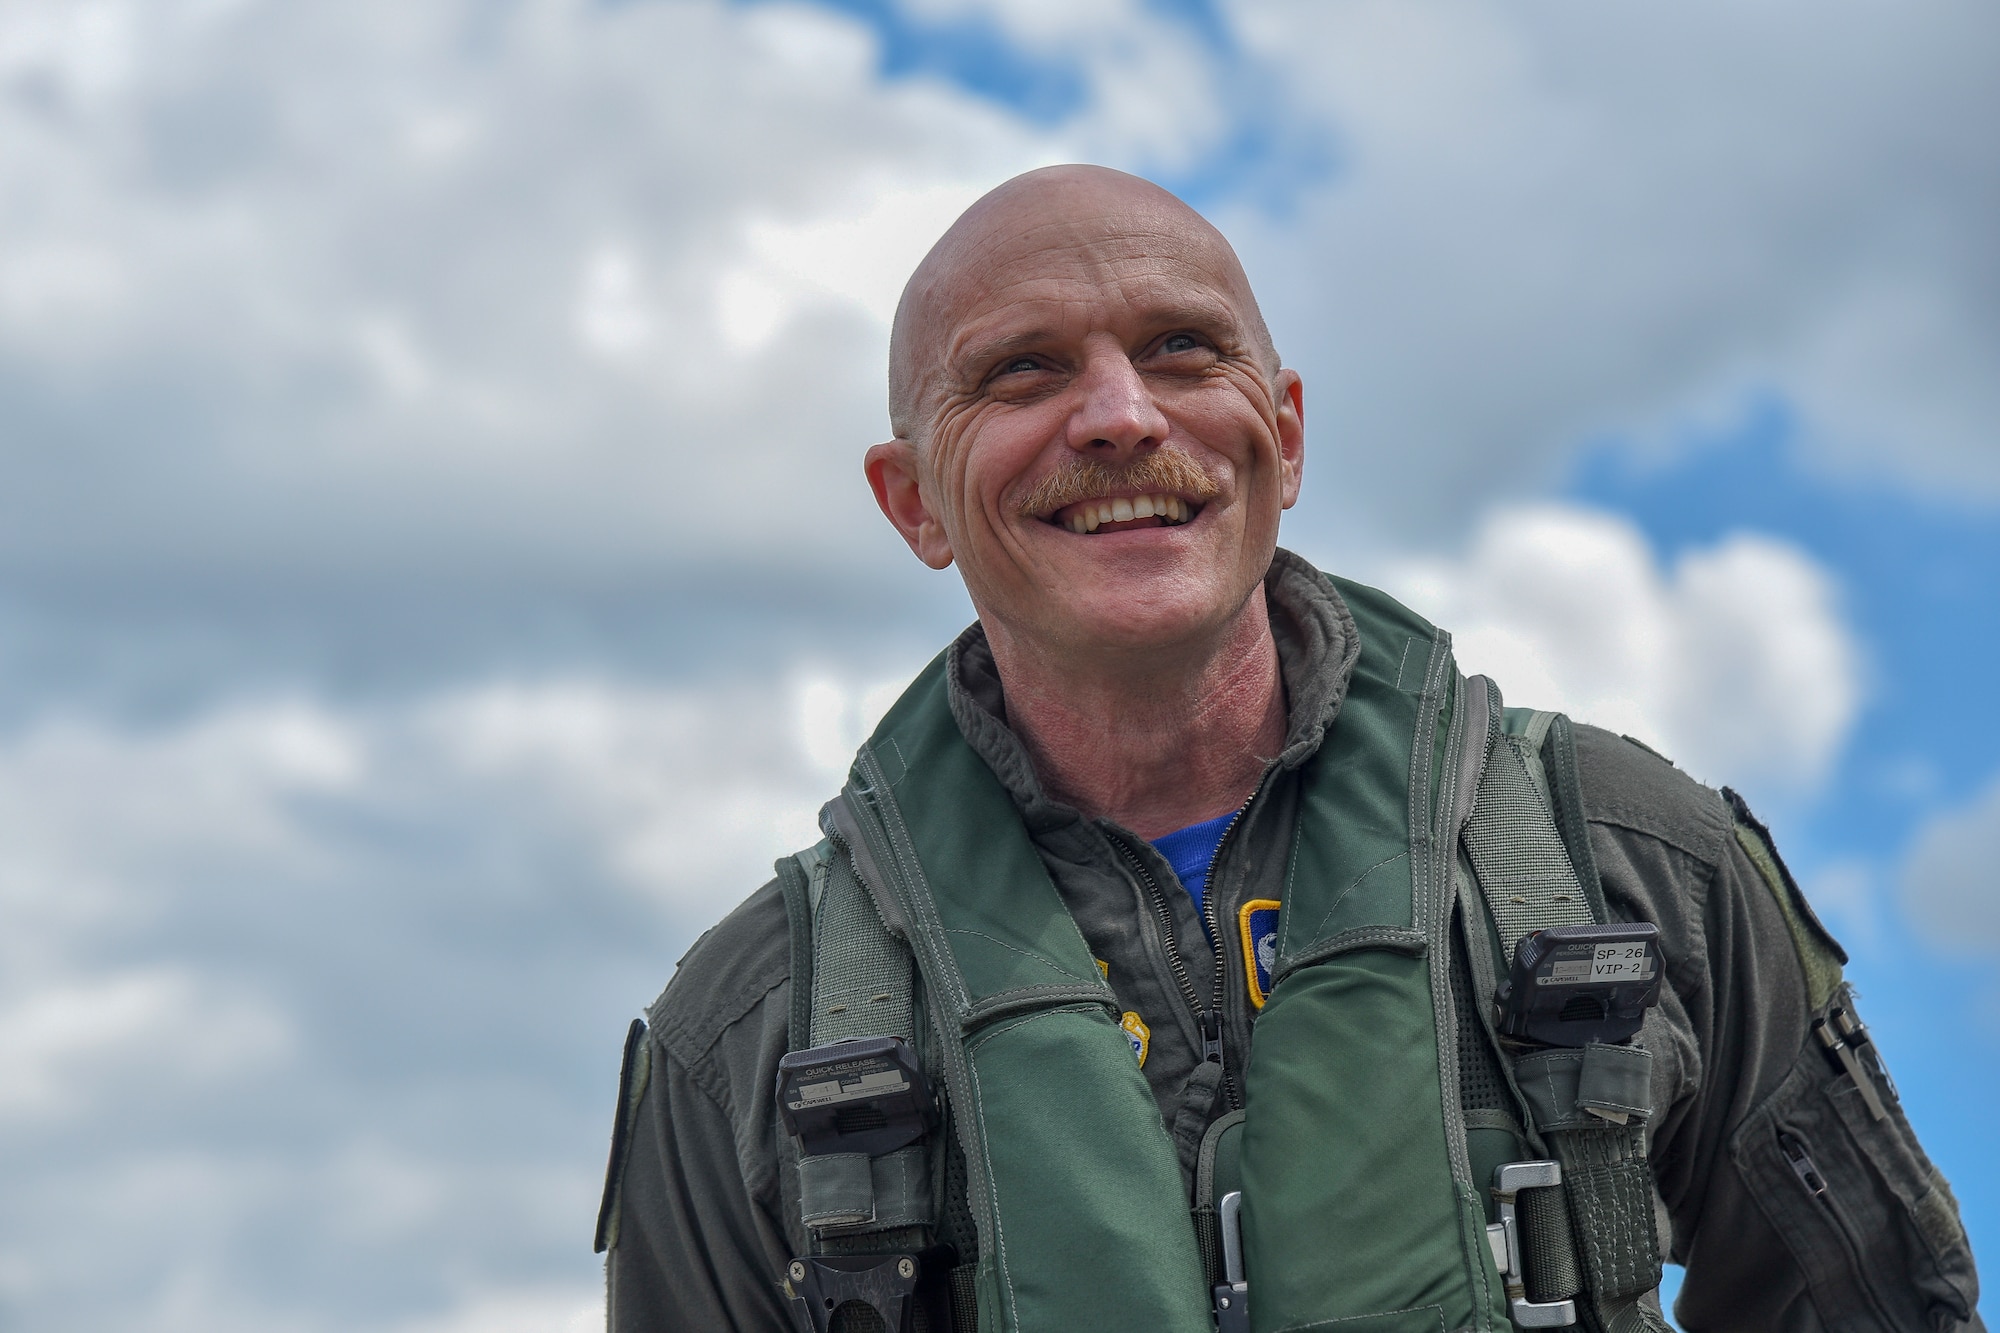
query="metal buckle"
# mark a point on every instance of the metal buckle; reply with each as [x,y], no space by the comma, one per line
[818,1285]
[1509,1179]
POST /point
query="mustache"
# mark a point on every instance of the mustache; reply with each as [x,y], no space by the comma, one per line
[1165,470]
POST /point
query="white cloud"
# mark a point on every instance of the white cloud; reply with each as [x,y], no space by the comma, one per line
[361,969]
[861,257]
[511,284]
[1735,660]
[158,1024]
[1550,227]
[555,299]
[1948,882]
[343,332]
[535,1310]
[681,790]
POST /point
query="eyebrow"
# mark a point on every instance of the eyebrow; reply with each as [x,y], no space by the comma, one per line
[972,359]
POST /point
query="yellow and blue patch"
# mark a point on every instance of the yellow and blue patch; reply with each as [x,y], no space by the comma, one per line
[1257,923]
[1138,1034]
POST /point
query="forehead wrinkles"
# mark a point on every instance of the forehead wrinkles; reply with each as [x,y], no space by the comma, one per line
[1019,246]
[1067,293]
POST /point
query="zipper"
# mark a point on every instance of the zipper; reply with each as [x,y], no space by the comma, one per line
[1164,916]
[1801,1164]
[1211,918]
[1208,1021]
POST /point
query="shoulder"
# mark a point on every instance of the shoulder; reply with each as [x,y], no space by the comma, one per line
[1630,788]
[739,970]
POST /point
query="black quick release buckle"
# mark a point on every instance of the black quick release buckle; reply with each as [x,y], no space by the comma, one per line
[866,1096]
[1575,985]
[817,1286]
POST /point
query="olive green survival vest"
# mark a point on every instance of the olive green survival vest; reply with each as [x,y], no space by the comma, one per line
[1366,1198]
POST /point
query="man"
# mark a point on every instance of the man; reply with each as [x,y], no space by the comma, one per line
[1182,816]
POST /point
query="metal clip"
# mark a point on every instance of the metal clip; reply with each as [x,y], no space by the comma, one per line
[1855,1033]
[1850,1063]
[1232,1296]
[1509,1179]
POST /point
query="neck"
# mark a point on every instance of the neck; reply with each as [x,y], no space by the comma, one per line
[1154,740]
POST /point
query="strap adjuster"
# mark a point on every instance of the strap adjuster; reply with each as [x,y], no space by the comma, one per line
[1509,1179]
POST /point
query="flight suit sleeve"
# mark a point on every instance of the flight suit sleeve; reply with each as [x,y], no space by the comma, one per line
[690,1247]
[1812,1159]
[1793,1206]
[692,1214]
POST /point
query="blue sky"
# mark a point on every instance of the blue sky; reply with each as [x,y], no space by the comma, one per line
[435,577]
[1918,572]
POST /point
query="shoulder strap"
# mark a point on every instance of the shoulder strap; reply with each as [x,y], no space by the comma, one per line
[1532,869]
[1522,866]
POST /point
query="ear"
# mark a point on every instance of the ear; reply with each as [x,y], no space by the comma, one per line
[1291,417]
[895,475]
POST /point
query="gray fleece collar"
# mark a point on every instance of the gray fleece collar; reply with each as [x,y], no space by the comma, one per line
[1317,648]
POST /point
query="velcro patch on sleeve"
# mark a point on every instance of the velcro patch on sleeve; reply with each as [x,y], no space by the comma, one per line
[1257,923]
[1820,955]
[634,1072]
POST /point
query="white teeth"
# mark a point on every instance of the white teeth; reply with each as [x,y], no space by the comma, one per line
[1093,514]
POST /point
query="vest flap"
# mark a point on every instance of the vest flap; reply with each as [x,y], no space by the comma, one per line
[1092,1228]
[1072,1181]
[1358,1207]
[1357,889]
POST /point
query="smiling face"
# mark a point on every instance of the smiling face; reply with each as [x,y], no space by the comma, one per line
[1090,420]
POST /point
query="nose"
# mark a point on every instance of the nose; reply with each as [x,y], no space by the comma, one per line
[1115,417]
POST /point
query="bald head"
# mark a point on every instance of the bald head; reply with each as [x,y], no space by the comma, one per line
[1076,218]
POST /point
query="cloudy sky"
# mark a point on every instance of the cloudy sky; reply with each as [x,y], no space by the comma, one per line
[436,577]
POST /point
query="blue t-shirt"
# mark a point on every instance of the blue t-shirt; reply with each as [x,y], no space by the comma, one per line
[1191,852]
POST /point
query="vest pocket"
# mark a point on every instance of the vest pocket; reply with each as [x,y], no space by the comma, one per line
[1869,1220]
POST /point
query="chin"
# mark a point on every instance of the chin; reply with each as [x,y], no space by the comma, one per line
[1139,618]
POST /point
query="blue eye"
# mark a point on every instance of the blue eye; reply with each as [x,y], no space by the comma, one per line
[1019,365]
[1180,342]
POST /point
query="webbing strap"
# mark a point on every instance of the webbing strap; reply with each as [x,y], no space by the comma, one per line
[1606,1246]
[862,986]
[1610,1191]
